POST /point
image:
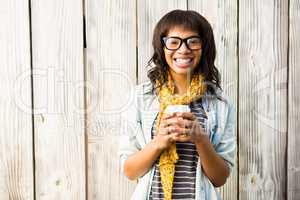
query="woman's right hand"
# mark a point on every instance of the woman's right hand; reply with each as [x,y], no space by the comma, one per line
[166,135]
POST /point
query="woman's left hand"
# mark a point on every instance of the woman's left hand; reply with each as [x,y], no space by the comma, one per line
[189,128]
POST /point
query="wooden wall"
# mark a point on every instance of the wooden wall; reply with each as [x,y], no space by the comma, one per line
[65,66]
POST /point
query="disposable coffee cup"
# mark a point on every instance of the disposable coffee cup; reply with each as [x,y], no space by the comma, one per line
[177,108]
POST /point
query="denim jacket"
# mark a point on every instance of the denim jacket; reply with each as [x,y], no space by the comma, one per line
[137,120]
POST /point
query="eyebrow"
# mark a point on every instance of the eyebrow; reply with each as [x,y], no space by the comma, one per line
[183,38]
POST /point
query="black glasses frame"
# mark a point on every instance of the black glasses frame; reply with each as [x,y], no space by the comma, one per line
[164,40]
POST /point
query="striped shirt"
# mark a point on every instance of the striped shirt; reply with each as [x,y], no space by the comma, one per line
[185,168]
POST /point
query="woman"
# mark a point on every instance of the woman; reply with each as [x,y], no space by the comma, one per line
[183,155]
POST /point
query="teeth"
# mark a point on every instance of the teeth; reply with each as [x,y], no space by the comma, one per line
[183,60]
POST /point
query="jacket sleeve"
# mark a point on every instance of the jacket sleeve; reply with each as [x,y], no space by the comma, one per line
[225,142]
[130,128]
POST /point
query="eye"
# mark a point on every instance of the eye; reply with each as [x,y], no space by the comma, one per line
[194,40]
[173,41]
[194,43]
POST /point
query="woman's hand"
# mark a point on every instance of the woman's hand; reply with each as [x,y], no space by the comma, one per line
[189,128]
[166,134]
[179,127]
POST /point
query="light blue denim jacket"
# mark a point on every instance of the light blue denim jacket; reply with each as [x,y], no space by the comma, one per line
[137,120]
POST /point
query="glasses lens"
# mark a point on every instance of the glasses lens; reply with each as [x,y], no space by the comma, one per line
[194,43]
[172,43]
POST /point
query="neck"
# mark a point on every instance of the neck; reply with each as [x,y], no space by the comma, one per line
[181,84]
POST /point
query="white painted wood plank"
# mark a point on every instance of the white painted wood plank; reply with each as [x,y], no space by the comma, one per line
[223,18]
[148,14]
[293,169]
[263,98]
[58,99]
[16,160]
[111,71]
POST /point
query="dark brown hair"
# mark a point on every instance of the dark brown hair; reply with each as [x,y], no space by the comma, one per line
[192,21]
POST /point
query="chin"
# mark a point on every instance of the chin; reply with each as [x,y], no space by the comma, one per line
[182,71]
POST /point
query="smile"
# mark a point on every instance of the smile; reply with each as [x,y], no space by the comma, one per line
[183,62]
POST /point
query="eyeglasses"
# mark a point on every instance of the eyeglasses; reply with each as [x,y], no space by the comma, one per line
[174,43]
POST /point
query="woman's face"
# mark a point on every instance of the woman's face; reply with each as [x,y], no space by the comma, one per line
[183,60]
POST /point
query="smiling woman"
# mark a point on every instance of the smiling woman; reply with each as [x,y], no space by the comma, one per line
[181,25]
[182,53]
[186,154]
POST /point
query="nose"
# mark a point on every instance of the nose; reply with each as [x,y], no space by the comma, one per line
[183,48]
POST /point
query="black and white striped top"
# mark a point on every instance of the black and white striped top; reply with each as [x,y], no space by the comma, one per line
[185,168]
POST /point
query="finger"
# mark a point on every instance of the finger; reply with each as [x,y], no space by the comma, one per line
[178,121]
[174,136]
[183,138]
[167,122]
[163,131]
[162,124]
[196,124]
[167,127]
[167,131]
[186,115]
[172,129]
[179,137]
[167,116]
[170,121]
[182,131]
[184,123]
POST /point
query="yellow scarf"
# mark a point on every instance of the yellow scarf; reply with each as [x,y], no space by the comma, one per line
[169,157]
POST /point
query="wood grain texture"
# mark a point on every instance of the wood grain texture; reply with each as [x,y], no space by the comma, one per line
[263,34]
[111,72]
[293,162]
[57,50]
[148,14]
[16,160]
[252,55]
[222,15]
